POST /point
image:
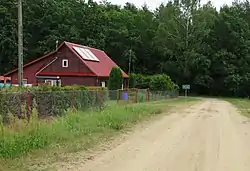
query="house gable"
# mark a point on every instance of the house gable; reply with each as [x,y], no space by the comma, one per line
[30,70]
[74,64]
[51,65]
[101,68]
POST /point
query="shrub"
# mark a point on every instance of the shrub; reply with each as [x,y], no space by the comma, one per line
[132,80]
[159,82]
[94,88]
[142,81]
[90,127]
[48,100]
[115,79]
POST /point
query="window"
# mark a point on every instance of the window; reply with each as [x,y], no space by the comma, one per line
[53,82]
[65,63]
[59,83]
[50,82]
[8,81]
[103,84]
[25,81]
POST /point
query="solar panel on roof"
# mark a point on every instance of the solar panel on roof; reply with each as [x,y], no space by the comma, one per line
[91,54]
[86,54]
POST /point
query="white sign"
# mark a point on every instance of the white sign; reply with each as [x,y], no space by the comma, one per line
[186,87]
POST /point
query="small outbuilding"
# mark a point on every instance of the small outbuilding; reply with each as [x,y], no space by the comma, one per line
[69,64]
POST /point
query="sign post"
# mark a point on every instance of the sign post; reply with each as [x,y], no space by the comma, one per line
[186,87]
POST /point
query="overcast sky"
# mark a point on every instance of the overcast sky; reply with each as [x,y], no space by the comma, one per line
[155,3]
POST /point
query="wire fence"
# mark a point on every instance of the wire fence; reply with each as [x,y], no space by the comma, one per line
[57,103]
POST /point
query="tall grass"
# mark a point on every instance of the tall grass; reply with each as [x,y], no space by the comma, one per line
[242,104]
[74,126]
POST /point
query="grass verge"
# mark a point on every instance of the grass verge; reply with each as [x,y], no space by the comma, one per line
[19,150]
[242,104]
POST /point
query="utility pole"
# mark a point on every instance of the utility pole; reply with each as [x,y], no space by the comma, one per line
[56,44]
[20,43]
[187,36]
[129,65]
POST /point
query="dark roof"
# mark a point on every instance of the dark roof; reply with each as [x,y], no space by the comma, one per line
[100,69]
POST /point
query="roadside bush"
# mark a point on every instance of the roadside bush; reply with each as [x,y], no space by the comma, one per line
[48,100]
[132,80]
[12,101]
[142,96]
[89,126]
[115,79]
[159,82]
[94,88]
[142,81]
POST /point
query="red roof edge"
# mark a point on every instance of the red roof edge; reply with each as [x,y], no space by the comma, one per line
[66,74]
[79,45]
[125,75]
[36,60]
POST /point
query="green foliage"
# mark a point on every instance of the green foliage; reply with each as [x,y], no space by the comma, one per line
[193,43]
[115,79]
[142,81]
[154,82]
[75,126]
[132,80]
[49,100]
[161,83]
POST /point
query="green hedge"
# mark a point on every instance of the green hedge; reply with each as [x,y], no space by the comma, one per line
[115,79]
[48,100]
[159,82]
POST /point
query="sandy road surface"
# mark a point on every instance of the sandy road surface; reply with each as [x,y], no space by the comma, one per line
[209,136]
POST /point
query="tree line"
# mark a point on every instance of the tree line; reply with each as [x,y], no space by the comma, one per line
[191,42]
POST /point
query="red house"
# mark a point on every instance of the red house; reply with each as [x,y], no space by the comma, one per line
[69,64]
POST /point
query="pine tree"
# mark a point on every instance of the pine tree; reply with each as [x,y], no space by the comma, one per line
[115,79]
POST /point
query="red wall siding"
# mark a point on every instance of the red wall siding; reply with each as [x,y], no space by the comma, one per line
[30,71]
[87,81]
[75,64]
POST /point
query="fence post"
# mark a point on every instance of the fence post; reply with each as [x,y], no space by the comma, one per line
[72,100]
[96,97]
[28,105]
[148,95]
[136,95]
[101,100]
[117,95]
[128,95]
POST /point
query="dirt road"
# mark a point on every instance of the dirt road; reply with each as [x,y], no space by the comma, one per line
[209,136]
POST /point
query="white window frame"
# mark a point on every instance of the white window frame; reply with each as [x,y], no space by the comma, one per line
[103,84]
[53,82]
[67,63]
[25,81]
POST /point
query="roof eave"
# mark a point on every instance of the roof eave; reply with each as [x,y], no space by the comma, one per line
[36,60]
